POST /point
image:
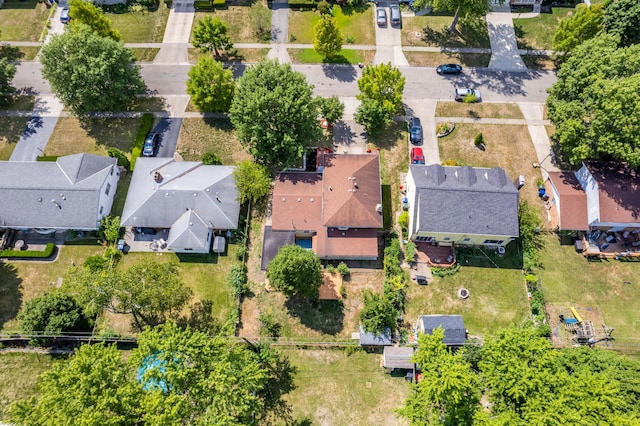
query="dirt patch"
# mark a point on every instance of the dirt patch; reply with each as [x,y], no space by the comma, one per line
[561,335]
[331,287]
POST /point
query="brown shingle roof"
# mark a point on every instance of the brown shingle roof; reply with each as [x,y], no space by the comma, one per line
[352,191]
[619,192]
[573,201]
[297,202]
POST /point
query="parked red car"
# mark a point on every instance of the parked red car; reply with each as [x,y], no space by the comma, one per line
[416,156]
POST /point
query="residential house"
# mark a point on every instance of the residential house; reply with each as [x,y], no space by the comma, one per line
[74,192]
[461,205]
[603,197]
[191,200]
[455,333]
[335,211]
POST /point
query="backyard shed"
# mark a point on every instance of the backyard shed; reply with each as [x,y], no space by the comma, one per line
[219,244]
[395,357]
[455,332]
[372,339]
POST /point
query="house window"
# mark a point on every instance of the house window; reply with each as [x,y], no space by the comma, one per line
[108,189]
[101,209]
[111,171]
[493,241]
[446,238]
[343,228]
[466,239]
[424,239]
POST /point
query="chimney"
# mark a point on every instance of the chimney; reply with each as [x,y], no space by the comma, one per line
[157,177]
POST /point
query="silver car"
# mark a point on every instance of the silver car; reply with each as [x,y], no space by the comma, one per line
[381,17]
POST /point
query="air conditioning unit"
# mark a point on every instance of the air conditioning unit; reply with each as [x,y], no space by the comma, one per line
[379,208]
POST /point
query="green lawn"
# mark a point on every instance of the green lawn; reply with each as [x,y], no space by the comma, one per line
[19,103]
[144,54]
[432,59]
[497,298]
[478,110]
[433,30]
[335,389]
[141,27]
[346,56]
[241,30]
[93,136]
[11,129]
[246,55]
[353,22]
[538,32]
[23,20]
[200,135]
[18,376]
[18,53]
[610,288]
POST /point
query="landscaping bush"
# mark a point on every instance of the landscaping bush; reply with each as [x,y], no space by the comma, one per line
[47,252]
[403,221]
[479,141]
[238,279]
[120,156]
[350,39]
[96,263]
[219,3]
[324,7]
[269,326]
[47,158]
[410,251]
[211,159]
[203,4]
[343,269]
[444,272]
[146,123]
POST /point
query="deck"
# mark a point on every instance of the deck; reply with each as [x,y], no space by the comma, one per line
[440,256]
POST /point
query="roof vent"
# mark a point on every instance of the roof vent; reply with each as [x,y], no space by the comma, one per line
[283,199]
[190,223]
[311,199]
[195,194]
[299,200]
[218,199]
[157,177]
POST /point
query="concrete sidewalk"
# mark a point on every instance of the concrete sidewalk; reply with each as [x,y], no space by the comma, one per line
[504,49]
[279,31]
[533,114]
[35,136]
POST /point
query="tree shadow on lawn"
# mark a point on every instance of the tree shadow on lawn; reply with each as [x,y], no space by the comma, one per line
[118,133]
[470,33]
[11,53]
[11,290]
[325,316]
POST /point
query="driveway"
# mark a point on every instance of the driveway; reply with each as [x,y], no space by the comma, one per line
[169,130]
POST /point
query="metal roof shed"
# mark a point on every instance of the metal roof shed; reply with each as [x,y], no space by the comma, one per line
[219,244]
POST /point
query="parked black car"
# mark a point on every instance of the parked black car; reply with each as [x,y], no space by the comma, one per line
[150,147]
[449,69]
[415,130]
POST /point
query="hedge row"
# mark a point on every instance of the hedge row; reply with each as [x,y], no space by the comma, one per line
[146,123]
[47,252]
[47,158]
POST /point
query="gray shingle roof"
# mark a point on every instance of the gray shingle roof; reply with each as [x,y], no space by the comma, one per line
[73,183]
[188,231]
[465,200]
[454,330]
[372,339]
[209,191]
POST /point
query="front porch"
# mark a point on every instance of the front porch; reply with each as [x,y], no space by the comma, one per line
[435,255]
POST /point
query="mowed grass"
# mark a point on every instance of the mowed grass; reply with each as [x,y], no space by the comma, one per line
[352,22]
[200,135]
[613,287]
[478,110]
[507,146]
[433,59]
[246,55]
[22,281]
[19,103]
[144,54]
[238,23]
[11,129]
[346,56]
[141,27]
[538,32]
[18,53]
[94,136]
[335,389]
[19,376]
[498,298]
[394,158]
[433,30]
[23,20]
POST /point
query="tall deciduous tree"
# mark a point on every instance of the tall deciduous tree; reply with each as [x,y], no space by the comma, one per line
[594,103]
[252,181]
[327,39]
[52,314]
[383,83]
[85,13]
[331,109]
[295,270]
[378,314]
[90,73]
[210,34]
[210,85]
[621,18]
[573,30]
[274,113]
[7,71]
[449,390]
[93,388]
[372,115]
[462,9]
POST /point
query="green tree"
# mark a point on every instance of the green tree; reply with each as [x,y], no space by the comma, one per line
[373,116]
[260,20]
[252,181]
[210,85]
[573,30]
[90,73]
[621,18]
[93,288]
[378,314]
[465,9]
[383,83]
[110,228]
[210,159]
[295,270]
[327,38]
[85,13]
[52,314]
[151,292]
[210,34]
[331,109]
[593,102]
[94,387]
[448,391]
[7,72]
[274,113]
